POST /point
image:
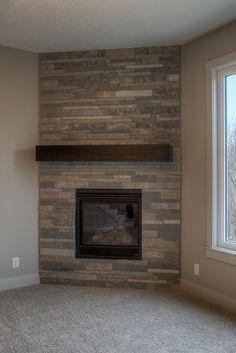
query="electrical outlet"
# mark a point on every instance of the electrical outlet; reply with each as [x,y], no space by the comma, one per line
[15,262]
[196,269]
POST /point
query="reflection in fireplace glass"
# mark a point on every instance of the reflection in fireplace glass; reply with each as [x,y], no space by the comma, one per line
[110,223]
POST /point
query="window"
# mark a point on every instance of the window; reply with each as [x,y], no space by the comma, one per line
[221,134]
[230,158]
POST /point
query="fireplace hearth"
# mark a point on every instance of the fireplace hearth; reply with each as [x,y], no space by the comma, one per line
[108,223]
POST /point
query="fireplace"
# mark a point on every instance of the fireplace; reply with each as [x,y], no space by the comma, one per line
[107,135]
[108,223]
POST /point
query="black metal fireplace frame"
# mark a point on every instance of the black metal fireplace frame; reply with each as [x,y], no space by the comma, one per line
[130,252]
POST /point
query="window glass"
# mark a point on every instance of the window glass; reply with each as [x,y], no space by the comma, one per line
[230,160]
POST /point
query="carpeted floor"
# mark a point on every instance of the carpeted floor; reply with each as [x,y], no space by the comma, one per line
[58,319]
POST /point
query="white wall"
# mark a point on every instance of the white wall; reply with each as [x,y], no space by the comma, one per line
[18,170]
[217,280]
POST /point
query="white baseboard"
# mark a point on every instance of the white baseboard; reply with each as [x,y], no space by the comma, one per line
[19,281]
[208,295]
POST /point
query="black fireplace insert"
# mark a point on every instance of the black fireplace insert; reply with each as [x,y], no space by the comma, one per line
[108,223]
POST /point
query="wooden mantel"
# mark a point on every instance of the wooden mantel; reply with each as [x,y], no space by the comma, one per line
[104,153]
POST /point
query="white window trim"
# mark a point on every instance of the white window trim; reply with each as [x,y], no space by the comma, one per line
[216,248]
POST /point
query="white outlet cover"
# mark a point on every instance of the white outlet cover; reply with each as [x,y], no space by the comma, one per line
[15,262]
[196,269]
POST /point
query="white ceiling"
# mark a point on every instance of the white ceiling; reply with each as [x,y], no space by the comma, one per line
[60,25]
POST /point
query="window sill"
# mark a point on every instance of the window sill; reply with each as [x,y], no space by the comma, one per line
[222,255]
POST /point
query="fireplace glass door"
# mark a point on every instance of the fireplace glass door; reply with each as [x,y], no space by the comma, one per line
[108,223]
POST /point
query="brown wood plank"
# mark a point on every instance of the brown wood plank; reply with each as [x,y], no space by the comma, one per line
[106,153]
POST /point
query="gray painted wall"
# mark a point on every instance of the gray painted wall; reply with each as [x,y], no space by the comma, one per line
[18,170]
[216,276]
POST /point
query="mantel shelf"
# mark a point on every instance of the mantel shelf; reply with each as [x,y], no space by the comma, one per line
[104,153]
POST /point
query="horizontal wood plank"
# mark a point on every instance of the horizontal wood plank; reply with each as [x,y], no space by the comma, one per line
[105,153]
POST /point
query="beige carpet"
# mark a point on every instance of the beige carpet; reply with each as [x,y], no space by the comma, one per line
[58,319]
